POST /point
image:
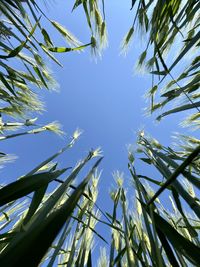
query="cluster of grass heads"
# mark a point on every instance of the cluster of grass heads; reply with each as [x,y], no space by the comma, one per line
[28,239]
[56,227]
[152,233]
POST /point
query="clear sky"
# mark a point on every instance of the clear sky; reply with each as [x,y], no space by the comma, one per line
[104,98]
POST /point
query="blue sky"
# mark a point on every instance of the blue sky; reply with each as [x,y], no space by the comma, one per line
[104,98]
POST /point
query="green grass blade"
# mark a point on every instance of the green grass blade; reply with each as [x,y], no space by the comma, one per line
[26,185]
[67,49]
[191,178]
[89,261]
[187,48]
[18,49]
[179,109]
[35,241]
[176,173]
[187,248]
[167,248]
[35,203]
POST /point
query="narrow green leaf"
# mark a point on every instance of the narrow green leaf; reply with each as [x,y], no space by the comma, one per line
[26,185]
[18,49]
[67,49]
[187,248]
[4,81]
[30,245]
[167,248]
[176,173]
[89,261]
[190,228]
[178,109]
[47,38]
[191,178]
[120,256]
[35,203]
[46,50]
[77,3]
[37,70]
[186,50]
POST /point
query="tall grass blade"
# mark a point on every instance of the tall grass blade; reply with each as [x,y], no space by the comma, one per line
[176,173]
[36,240]
[26,185]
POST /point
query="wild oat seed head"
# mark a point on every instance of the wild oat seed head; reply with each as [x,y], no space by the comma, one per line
[77,133]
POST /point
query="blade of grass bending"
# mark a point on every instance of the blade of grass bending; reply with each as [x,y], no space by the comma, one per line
[35,203]
[38,72]
[119,256]
[176,173]
[111,218]
[108,224]
[7,85]
[47,38]
[165,171]
[180,108]
[150,180]
[26,185]
[185,50]
[67,49]
[45,49]
[76,4]
[35,241]
[190,228]
[191,178]
[183,245]
[169,252]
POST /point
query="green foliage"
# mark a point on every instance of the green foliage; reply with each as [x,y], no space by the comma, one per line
[171,26]
[47,218]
